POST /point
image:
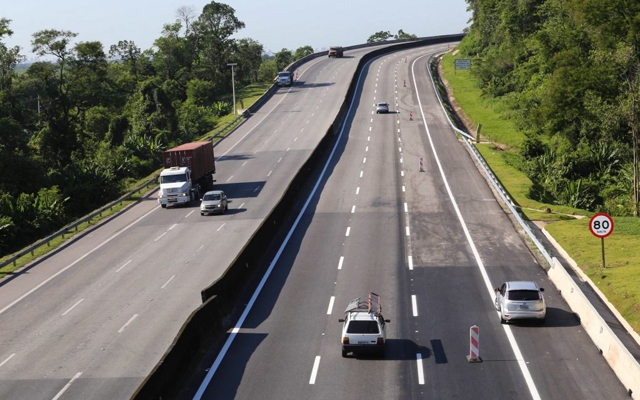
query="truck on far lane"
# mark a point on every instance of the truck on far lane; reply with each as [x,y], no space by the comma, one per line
[188,172]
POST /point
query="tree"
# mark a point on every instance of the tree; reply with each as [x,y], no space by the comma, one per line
[128,53]
[283,58]
[9,57]
[380,36]
[248,55]
[303,52]
[402,35]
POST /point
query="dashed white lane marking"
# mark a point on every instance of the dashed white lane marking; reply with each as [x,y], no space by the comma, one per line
[406,207]
[269,174]
[361,174]
[353,209]
[368,138]
[314,371]
[369,129]
[414,305]
[401,160]
[403,189]
[340,262]
[67,386]
[366,149]
[295,139]
[123,265]
[410,260]
[407,230]
[357,190]
[400,149]
[231,177]
[280,159]
[172,226]
[221,226]
[244,163]
[72,307]
[167,282]
[402,173]
[160,237]
[364,160]
[6,360]
[331,300]
[288,148]
[348,230]
[371,120]
[420,371]
[239,207]
[128,323]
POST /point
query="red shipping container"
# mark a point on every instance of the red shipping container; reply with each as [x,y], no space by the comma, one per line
[198,156]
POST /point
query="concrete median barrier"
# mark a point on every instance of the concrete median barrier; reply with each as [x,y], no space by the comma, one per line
[622,362]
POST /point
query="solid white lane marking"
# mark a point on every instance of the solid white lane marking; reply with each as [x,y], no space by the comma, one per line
[6,360]
[410,259]
[353,209]
[357,190]
[221,226]
[406,207]
[314,371]
[407,229]
[167,282]
[72,307]
[128,323]
[340,262]
[187,216]
[348,230]
[331,300]
[76,261]
[123,265]
[420,371]
[521,362]
[231,177]
[414,305]
[67,386]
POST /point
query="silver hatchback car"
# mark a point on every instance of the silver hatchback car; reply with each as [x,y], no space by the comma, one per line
[382,107]
[520,300]
[214,201]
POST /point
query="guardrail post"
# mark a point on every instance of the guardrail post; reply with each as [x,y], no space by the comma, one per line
[478,133]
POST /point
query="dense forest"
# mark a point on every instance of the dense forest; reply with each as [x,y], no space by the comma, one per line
[76,129]
[569,71]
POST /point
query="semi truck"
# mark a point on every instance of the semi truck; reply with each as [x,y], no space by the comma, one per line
[335,51]
[188,172]
[285,78]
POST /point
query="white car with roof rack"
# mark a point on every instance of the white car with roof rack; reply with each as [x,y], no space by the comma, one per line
[363,329]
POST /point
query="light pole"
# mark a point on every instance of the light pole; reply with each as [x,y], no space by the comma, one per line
[233,86]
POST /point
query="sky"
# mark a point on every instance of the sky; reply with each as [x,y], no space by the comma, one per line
[276,24]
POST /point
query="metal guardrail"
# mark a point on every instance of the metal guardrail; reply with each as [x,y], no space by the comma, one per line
[489,173]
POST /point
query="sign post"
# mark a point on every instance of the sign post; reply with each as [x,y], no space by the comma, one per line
[601,225]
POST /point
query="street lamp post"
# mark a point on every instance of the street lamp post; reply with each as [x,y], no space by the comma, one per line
[233,86]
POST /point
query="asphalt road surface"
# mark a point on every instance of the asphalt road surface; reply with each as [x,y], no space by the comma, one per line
[433,244]
[92,319]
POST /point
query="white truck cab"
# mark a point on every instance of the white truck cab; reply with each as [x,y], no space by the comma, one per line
[363,329]
[175,186]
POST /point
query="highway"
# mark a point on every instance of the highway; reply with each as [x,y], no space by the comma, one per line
[91,319]
[433,244]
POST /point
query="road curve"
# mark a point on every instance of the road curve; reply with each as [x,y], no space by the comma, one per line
[403,211]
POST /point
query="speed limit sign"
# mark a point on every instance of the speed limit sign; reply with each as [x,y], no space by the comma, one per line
[601,225]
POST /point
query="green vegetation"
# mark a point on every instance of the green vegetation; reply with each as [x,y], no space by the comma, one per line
[80,126]
[555,85]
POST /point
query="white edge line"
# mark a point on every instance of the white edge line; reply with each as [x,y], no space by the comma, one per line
[523,366]
[64,389]
[75,262]
[234,331]
[314,371]
[330,309]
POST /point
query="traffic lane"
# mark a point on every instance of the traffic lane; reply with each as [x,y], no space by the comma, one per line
[507,258]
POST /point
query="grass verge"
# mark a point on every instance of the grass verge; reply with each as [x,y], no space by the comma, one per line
[620,280]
